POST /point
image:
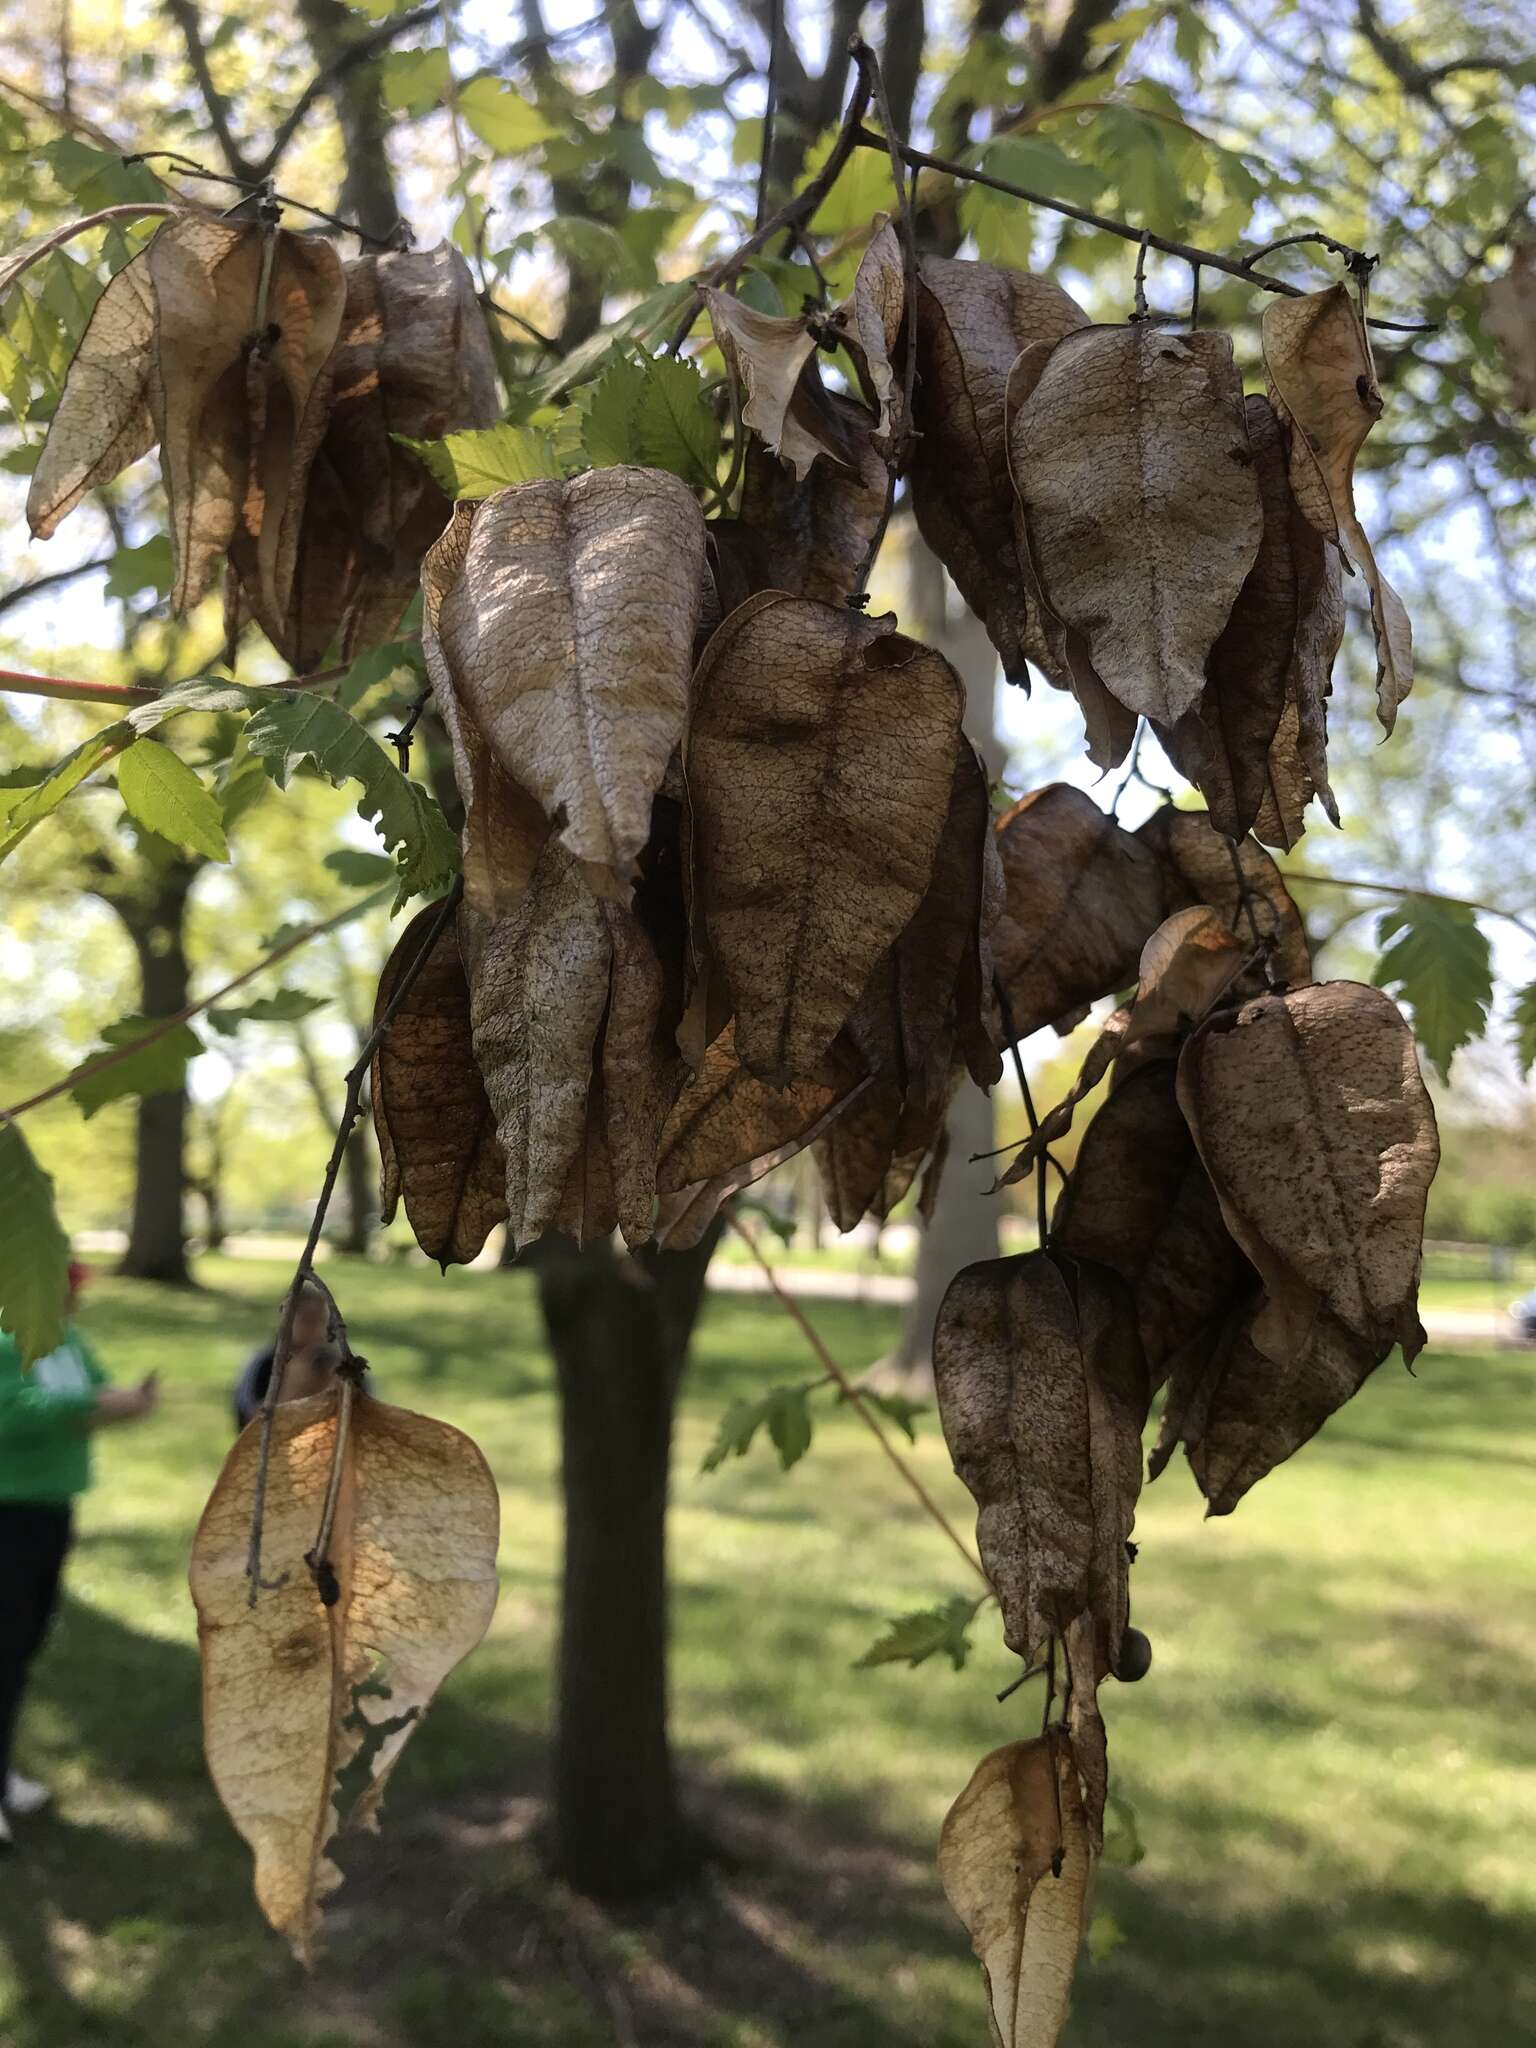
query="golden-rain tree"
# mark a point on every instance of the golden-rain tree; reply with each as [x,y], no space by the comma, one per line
[713,874]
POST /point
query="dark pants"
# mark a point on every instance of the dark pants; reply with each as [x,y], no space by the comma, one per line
[34,1536]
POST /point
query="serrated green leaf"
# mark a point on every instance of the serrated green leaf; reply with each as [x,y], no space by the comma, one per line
[1040,165]
[284,1006]
[486,459]
[784,1412]
[913,1638]
[34,1252]
[676,427]
[652,315]
[166,797]
[610,409]
[895,1408]
[1525,1028]
[504,121]
[291,728]
[1437,958]
[158,1066]
[396,660]
[60,782]
[146,567]
[359,869]
[414,80]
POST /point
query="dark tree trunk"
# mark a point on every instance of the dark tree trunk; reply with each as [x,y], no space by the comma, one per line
[358,1172]
[157,1235]
[619,1329]
[367,194]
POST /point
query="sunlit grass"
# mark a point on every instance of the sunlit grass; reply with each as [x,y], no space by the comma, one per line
[1333,1763]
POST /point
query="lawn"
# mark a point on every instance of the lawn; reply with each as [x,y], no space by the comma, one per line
[1332,1764]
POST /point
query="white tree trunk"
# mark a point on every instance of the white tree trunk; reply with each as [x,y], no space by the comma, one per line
[964,1224]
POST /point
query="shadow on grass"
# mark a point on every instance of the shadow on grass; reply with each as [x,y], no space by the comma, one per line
[819,1928]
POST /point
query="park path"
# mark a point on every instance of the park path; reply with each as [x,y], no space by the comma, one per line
[1448,1326]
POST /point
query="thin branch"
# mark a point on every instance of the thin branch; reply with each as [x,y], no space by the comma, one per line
[16,266]
[770,106]
[163,1025]
[853,1394]
[794,212]
[1407,889]
[184,14]
[906,231]
[1187,252]
[373,44]
[22,591]
[351,1109]
[21,683]
[76,123]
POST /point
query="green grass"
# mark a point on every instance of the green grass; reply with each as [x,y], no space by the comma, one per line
[1333,1762]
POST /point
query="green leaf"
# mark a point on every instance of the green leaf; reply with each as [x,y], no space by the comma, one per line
[913,1638]
[1436,957]
[285,1006]
[396,660]
[486,459]
[784,1412]
[1525,1028]
[358,868]
[146,567]
[1041,166]
[864,188]
[1122,1837]
[60,781]
[165,795]
[414,80]
[34,1252]
[504,121]
[895,1408]
[292,727]
[653,315]
[156,1068]
[610,410]
[676,426]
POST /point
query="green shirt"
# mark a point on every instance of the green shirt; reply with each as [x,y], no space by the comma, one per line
[45,1448]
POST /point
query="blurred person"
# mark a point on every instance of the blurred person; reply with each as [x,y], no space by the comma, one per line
[312,1358]
[47,1415]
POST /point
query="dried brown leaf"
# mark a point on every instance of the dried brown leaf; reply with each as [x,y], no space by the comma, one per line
[1322,380]
[287,1701]
[1042,1393]
[768,355]
[820,760]
[1131,461]
[643,1073]
[239,426]
[1082,898]
[973,320]
[1319,1137]
[1139,1201]
[854,1154]
[1240,1415]
[871,319]
[808,536]
[1016,1865]
[103,420]
[1057,1120]
[437,1137]
[563,627]
[1203,868]
[539,982]
[1273,651]
[727,1118]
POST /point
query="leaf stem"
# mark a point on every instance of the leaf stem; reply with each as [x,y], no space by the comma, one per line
[852,1394]
[351,1108]
[22,683]
[1408,889]
[1187,252]
[139,211]
[172,1023]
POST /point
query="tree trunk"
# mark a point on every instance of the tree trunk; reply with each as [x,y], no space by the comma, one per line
[358,1172]
[157,1237]
[367,194]
[619,1329]
[963,1227]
